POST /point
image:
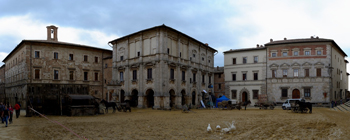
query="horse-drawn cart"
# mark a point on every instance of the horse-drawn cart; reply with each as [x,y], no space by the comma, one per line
[301,106]
[265,105]
[229,105]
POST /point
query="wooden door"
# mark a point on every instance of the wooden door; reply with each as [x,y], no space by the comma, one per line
[244,96]
[296,94]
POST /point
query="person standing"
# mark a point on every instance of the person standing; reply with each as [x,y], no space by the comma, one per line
[11,113]
[6,114]
[18,109]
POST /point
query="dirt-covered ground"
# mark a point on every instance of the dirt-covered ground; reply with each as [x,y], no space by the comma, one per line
[157,124]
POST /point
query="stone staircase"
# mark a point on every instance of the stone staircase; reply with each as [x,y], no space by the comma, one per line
[343,107]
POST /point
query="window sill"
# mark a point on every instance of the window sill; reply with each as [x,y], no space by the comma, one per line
[149,79]
[284,98]
[56,80]
[71,80]
[36,79]
[86,81]
[171,80]
[134,80]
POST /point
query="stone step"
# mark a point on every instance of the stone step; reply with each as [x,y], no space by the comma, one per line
[335,108]
[338,108]
[345,107]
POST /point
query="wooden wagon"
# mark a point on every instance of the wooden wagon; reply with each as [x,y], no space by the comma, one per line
[265,105]
[229,105]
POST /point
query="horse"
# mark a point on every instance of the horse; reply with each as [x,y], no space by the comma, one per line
[245,104]
[110,104]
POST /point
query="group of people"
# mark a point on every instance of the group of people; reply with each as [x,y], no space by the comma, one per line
[6,112]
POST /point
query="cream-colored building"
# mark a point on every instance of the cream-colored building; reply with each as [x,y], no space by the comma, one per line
[161,68]
[245,73]
[42,71]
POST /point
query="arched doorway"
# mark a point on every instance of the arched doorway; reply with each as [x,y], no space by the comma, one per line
[122,96]
[296,94]
[193,98]
[149,98]
[134,98]
[244,97]
[183,97]
[172,98]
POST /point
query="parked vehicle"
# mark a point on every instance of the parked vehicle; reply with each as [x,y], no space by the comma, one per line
[289,103]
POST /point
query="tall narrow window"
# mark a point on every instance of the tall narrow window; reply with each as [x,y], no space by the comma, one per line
[180,54]
[233,77]
[71,57]
[183,75]
[168,51]
[96,76]
[37,54]
[149,73]
[284,54]
[219,86]
[285,73]
[296,72]
[244,60]
[255,94]
[233,60]
[86,76]
[306,72]
[307,52]
[284,92]
[274,73]
[255,76]
[134,75]
[194,77]
[71,75]
[203,79]
[121,74]
[96,59]
[138,54]
[318,72]
[55,74]
[244,76]
[296,53]
[307,92]
[37,73]
[55,55]
[255,59]
[233,94]
[121,58]
[318,52]
[219,75]
[85,58]
[273,54]
[209,79]
[172,74]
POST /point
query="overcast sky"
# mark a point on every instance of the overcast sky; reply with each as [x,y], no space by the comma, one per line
[222,24]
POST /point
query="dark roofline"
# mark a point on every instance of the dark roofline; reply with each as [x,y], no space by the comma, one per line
[2,66]
[305,40]
[115,40]
[50,42]
[244,49]
[108,57]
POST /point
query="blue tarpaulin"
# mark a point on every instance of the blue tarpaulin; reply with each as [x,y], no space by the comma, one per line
[223,98]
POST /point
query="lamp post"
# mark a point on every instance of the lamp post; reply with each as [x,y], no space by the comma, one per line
[330,83]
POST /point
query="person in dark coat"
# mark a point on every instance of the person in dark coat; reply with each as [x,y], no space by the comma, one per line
[5,115]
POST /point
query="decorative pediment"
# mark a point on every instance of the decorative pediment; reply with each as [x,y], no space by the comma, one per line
[202,54]
[284,66]
[273,66]
[171,64]
[295,65]
[184,67]
[121,49]
[307,65]
[194,70]
[194,51]
[121,68]
[150,63]
[135,66]
[319,65]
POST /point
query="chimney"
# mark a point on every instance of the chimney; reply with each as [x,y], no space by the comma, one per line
[316,37]
[312,37]
[271,40]
[257,45]
[261,46]
[217,68]
[285,38]
[52,33]
[206,44]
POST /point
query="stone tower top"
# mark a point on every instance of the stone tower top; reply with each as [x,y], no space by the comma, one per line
[52,33]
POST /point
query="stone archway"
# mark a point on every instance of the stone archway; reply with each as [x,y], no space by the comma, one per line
[244,97]
[149,99]
[193,97]
[122,96]
[134,98]
[183,97]
[296,94]
[172,98]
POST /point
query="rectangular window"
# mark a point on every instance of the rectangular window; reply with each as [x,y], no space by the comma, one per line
[121,58]
[138,54]
[244,76]
[285,73]
[307,52]
[96,59]
[318,52]
[55,74]
[96,76]
[318,72]
[70,57]
[86,76]
[37,54]
[255,94]
[255,59]
[296,53]
[244,60]
[71,75]
[121,76]
[306,72]
[233,94]
[284,92]
[307,92]
[168,51]
[273,54]
[149,73]
[219,86]
[183,75]
[274,73]
[296,72]
[55,55]
[203,79]
[85,58]
[233,60]
[134,75]
[233,77]
[209,79]
[284,54]
[219,76]
[172,74]
[37,73]
[255,76]
[194,77]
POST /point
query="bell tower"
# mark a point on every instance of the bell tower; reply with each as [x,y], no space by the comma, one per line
[52,33]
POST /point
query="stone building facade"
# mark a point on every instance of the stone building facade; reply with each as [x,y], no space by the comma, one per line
[219,82]
[245,73]
[2,83]
[161,68]
[41,71]
[313,68]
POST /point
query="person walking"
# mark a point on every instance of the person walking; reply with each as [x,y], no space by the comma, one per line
[1,110]
[6,114]
[18,109]
[11,113]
